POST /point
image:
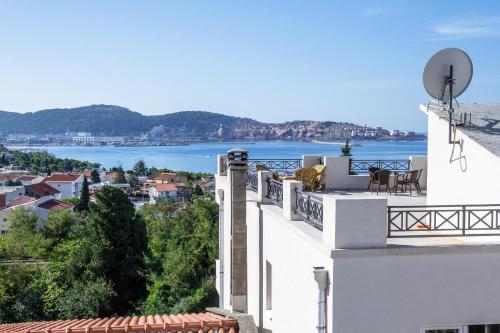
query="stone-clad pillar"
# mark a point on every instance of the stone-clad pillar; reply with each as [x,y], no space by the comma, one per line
[237,159]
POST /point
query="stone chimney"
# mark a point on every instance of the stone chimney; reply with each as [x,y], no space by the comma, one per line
[237,161]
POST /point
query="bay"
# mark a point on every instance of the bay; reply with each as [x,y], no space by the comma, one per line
[201,157]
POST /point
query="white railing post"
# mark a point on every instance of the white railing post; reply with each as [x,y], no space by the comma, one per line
[289,199]
[262,177]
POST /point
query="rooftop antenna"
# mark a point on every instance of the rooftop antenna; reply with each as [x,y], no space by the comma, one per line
[446,76]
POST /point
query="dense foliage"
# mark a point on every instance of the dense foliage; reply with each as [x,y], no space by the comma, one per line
[43,162]
[112,260]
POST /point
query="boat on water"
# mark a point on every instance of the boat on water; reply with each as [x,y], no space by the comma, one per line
[336,143]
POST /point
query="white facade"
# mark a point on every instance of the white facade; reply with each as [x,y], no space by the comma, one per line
[471,175]
[375,283]
[68,189]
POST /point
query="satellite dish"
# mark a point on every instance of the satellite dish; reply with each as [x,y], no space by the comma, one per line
[447,74]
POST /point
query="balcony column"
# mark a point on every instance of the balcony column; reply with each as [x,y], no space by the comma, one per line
[289,199]
[262,177]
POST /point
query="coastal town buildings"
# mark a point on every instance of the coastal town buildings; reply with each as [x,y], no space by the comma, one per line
[68,184]
[162,191]
[346,260]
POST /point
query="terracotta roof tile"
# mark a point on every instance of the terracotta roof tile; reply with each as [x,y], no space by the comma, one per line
[56,205]
[26,177]
[168,187]
[20,200]
[62,177]
[41,189]
[195,322]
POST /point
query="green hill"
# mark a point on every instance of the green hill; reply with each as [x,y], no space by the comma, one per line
[113,120]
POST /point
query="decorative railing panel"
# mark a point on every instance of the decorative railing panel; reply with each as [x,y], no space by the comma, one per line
[279,165]
[361,166]
[252,182]
[443,220]
[310,208]
[275,191]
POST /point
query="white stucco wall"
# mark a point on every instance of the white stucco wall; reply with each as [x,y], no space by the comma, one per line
[400,290]
[68,189]
[293,249]
[472,179]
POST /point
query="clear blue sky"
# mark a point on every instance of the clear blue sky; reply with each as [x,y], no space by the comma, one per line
[269,60]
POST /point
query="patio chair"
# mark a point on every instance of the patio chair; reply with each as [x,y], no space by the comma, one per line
[373,176]
[320,179]
[408,179]
[309,179]
[381,177]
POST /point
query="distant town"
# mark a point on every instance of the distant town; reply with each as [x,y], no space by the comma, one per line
[118,126]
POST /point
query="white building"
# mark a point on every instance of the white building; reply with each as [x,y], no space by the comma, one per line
[347,261]
[68,184]
[173,191]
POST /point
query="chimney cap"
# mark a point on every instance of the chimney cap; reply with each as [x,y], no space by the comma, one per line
[237,150]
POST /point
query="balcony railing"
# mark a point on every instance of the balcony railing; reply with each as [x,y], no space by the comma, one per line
[443,221]
[361,166]
[252,182]
[275,191]
[279,165]
[310,208]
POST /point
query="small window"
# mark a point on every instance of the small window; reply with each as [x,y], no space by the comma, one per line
[444,330]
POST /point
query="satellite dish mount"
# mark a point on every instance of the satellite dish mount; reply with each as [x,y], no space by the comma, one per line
[446,76]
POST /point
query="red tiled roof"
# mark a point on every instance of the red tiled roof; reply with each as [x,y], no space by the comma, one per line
[56,205]
[20,200]
[26,177]
[5,177]
[168,187]
[87,174]
[42,189]
[62,177]
[195,322]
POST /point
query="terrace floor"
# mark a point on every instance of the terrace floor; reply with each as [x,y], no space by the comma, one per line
[399,199]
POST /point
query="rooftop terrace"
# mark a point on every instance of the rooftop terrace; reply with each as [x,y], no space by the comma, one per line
[406,219]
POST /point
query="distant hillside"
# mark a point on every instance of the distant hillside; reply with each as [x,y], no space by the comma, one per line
[114,120]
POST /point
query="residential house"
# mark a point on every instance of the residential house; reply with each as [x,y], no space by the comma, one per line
[68,184]
[23,201]
[53,205]
[177,192]
[344,260]
[40,190]
[168,178]
[29,179]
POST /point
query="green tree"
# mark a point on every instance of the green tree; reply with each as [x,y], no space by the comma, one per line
[198,191]
[95,177]
[140,168]
[83,205]
[133,183]
[23,240]
[59,226]
[346,149]
[183,249]
[120,177]
[11,182]
[114,221]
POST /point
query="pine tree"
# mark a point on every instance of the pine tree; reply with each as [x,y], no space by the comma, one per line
[140,168]
[84,196]
[120,177]
[95,177]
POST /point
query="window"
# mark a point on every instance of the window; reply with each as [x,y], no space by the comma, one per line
[269,286]
[486,328]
